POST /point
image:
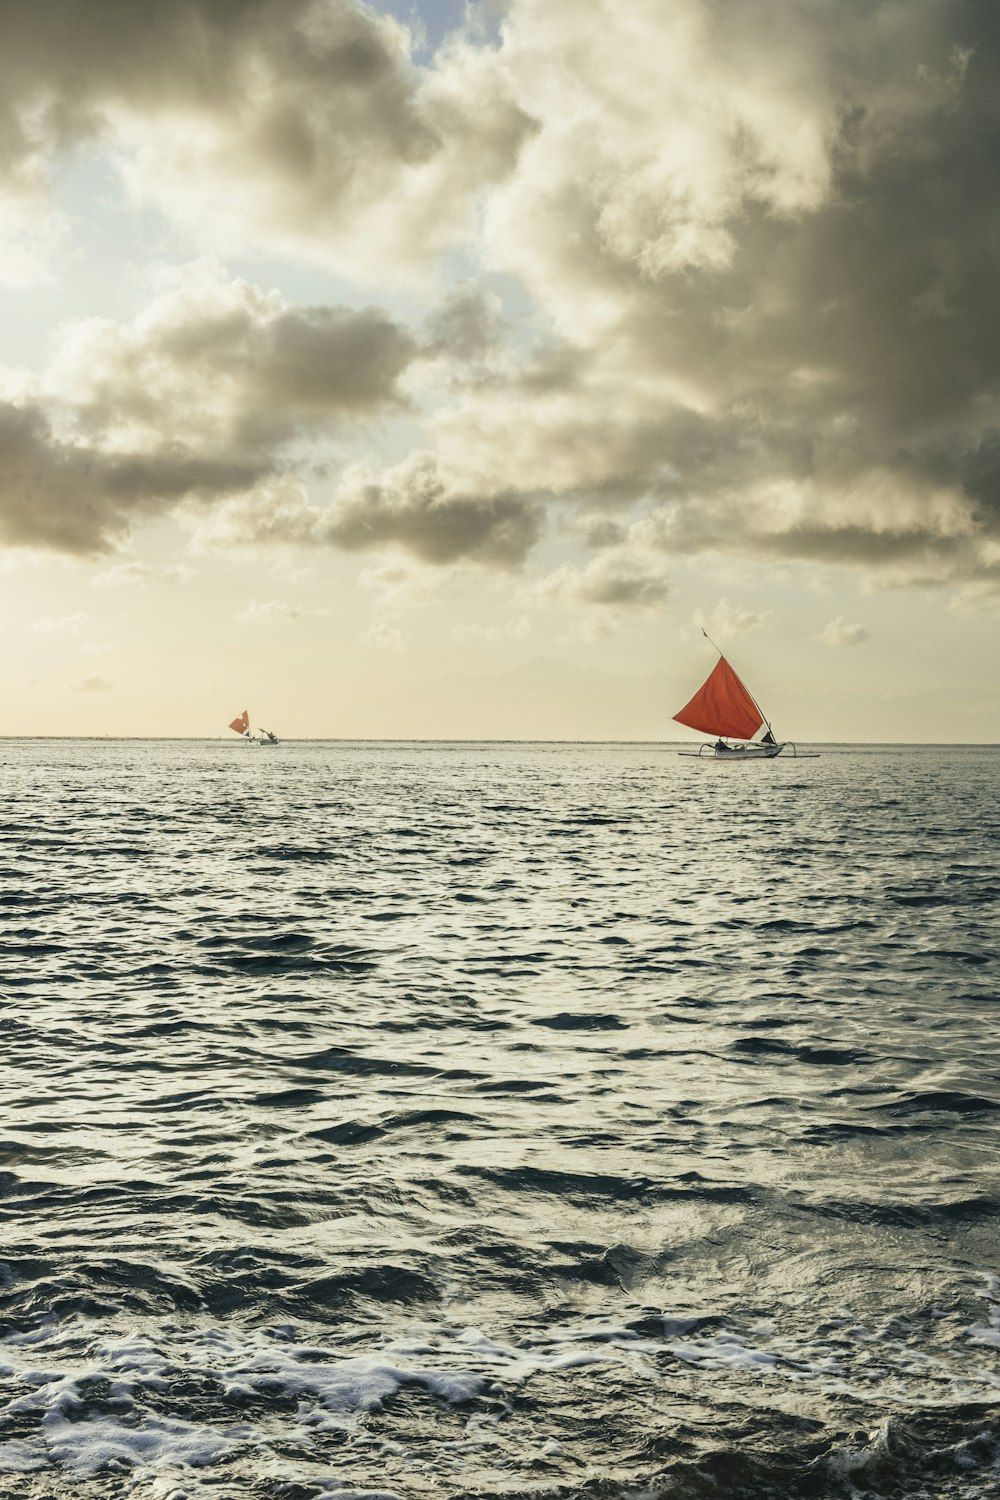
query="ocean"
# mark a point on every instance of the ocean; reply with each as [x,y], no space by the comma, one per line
[498,1120]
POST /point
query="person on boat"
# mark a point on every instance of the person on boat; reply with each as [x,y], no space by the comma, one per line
[720,744]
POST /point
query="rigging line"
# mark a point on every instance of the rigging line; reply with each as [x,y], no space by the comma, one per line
[750,695]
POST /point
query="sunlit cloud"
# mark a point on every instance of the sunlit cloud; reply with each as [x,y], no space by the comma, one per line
[517,628]
[60,624]
[726,622]
[385,635]
[269,612]
[619,578]
[137,574]
[842,632]
[680,281]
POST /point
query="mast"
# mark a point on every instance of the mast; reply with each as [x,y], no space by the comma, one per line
[750,695]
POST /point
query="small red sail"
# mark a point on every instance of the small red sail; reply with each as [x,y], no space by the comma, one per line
[722,706]
[242,724]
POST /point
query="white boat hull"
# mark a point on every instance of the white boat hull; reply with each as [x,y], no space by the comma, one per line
[739,753]
[747,752]
[735,752]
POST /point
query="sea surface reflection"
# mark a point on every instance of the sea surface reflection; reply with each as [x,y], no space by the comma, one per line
[498,1120]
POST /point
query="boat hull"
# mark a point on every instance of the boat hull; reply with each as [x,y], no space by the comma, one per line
[736,753]
[748,752]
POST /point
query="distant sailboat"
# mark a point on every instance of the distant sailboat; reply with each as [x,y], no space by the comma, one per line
[724,707]
[241,724]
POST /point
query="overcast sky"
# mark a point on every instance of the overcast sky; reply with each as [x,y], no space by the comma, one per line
[431,370]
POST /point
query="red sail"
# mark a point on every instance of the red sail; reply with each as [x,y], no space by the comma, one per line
[722,706]
[241,724]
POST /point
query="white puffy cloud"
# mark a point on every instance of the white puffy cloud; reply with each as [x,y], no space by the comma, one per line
[517,628]
[726,622]
[269,612]
[841,632]
[60,624]
[618,578]
[385,635]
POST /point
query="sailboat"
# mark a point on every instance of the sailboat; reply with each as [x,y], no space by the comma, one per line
[241,725]
[724,707]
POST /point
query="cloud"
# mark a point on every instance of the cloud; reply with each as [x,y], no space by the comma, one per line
[399,585]
[274,512]
[224,367]
[64,496]
[95,684]
[269,612]
[420,508]
[296,124]
[136,573]
[60,624]
[517,628]
[198,398]
[32,232]
[385,635]
[617,578]
[779,325]
[841,632]
[726,622]
[753,252]
[411,507]
[467,324]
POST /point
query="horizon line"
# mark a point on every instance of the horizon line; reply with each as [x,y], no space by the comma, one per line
[325,739]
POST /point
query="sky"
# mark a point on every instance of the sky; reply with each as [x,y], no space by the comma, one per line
[433,370]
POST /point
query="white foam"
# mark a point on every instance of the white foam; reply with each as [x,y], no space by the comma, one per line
[322,1392]
[159,1442]
[20,1457]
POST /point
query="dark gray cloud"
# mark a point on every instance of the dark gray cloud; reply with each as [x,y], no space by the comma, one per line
[413,507]
[624,583]
[68,498]
[466,325]
[238,372]
[416,508]
[824,324]
[315,65]
[200,398]
[620,578]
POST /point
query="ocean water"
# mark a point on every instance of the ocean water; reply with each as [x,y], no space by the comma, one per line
[498,1121]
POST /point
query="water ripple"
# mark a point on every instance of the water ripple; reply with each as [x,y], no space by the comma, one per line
[494,1121]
